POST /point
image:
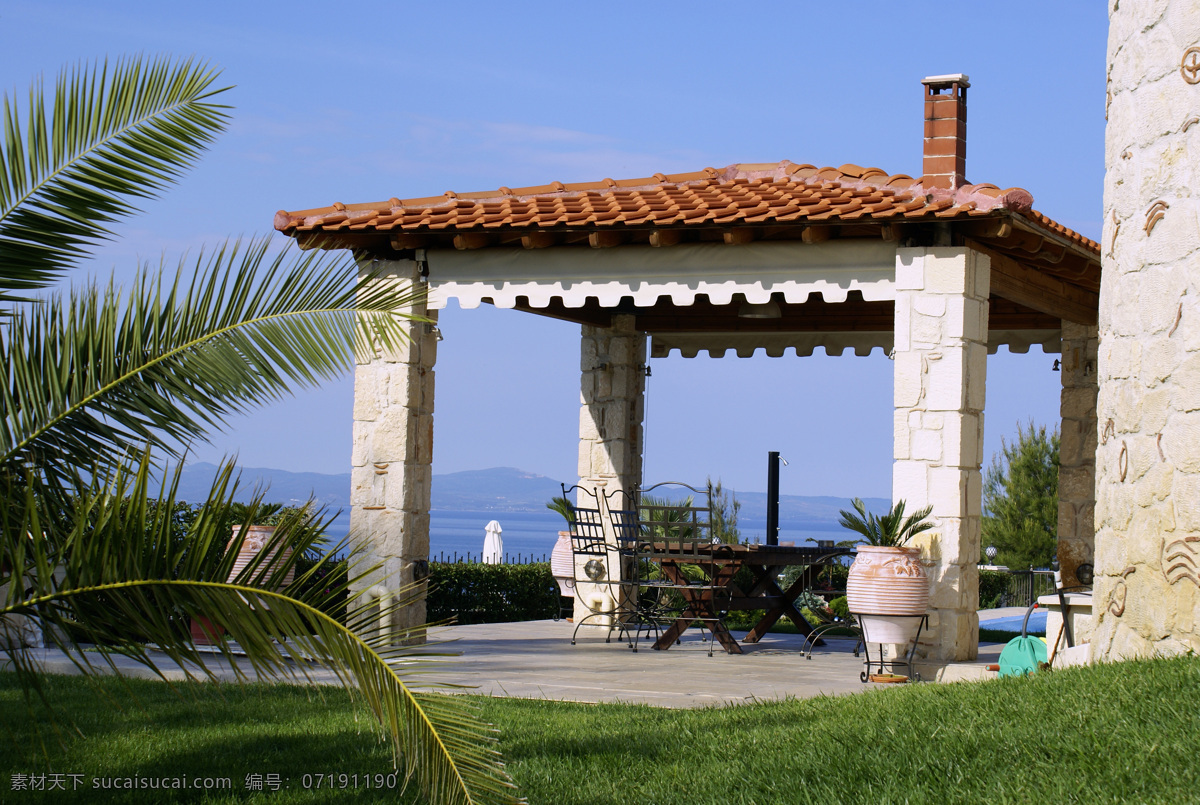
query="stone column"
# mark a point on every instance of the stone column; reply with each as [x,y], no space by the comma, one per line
[612,407]
[941,331]
[392,456]
[1147,598]
[1077,451]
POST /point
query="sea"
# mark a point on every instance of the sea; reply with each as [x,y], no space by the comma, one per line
[530,536]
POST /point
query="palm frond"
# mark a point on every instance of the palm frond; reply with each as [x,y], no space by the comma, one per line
[86,378]
[74,165]
[118,577]
[891,529]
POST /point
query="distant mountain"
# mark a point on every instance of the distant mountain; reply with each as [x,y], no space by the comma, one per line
[500,489]
[289,488]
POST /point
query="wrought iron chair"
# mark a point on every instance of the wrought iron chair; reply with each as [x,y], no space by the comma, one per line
[685,580]
[604,571]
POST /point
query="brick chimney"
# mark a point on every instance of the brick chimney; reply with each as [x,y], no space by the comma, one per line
[945,131]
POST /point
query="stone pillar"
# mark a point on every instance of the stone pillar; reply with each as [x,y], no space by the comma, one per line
[1077,451]
[941,331]
[612,408]
[1147,599]
[392,456]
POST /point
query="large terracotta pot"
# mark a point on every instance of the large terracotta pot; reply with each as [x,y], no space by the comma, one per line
[888,589]
[256,539]
[206,631]
[562,564]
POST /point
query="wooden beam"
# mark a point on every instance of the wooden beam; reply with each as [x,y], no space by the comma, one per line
[892,232]
[537,240]
[325,241]
[589,314]
[815,234]
[665,237]
[988,228]
[738,236]
[472,240]
[605,240]
[1039,291]
[404,241]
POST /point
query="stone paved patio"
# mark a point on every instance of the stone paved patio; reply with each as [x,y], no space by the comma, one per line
[536,660]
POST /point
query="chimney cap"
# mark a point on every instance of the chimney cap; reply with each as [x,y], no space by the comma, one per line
[961,79]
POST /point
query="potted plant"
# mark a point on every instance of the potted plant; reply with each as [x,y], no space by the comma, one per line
[887,586]
[562,559]
[259,523]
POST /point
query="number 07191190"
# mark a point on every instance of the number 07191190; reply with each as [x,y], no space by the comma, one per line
[338,781]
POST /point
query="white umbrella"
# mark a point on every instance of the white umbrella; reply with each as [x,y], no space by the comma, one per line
[493,545]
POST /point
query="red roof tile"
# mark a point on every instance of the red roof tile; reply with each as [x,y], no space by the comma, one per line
[763,193]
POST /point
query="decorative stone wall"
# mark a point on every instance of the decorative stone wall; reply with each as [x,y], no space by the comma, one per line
[941,331]
[1148,461]
[392,456]
[1077,450]
[612,409]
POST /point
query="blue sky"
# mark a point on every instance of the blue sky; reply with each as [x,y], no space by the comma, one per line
[355,103]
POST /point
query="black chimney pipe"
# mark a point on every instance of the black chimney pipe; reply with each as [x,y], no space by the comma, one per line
[773,498]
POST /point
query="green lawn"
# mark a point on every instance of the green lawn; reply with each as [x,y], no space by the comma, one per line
[1118,733]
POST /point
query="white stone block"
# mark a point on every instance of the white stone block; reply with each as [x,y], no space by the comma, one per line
[900,435]
[926,331]
[362,481]
[929,305]
[945,381]
[603,464]
[948,490]
[946,271]
[927,445]
[974,494]
[902,323]
[1185,390]
[907,379]
[910,269]
[1160,357]
[370,380]
[961,443]
[910,482]
[1181,442]
[1185,495]
[982,278]
[584,465]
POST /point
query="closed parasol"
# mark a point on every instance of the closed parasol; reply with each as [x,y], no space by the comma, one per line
[493,544]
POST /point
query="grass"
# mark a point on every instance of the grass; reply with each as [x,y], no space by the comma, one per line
[1117,733]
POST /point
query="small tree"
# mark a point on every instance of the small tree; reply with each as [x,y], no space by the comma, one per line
[725,508]
[1020,499]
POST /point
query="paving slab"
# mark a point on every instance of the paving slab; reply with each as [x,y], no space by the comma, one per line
[535,659]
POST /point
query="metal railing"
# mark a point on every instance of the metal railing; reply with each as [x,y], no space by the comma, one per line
[454,557]
[1023,587]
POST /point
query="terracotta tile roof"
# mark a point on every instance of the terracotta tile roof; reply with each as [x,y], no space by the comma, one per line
[767,193]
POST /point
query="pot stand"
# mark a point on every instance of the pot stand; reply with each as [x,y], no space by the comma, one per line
[921,621]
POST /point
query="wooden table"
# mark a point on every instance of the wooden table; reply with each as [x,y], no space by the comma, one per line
[765,562]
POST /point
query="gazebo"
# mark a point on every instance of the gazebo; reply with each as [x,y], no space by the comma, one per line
[934,270]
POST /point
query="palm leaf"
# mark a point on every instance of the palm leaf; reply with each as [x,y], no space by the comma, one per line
[106,137]
[125,580]
[87,377]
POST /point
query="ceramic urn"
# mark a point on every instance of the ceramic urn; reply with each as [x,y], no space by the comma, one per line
[889,586]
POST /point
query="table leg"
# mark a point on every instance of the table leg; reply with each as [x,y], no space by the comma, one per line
[785,605]
[700,607]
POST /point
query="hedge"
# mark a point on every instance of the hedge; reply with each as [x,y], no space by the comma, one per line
[473,592]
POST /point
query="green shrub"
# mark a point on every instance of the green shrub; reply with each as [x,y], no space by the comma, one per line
[840,608]
[992,585]
[329,580]
[474,592]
